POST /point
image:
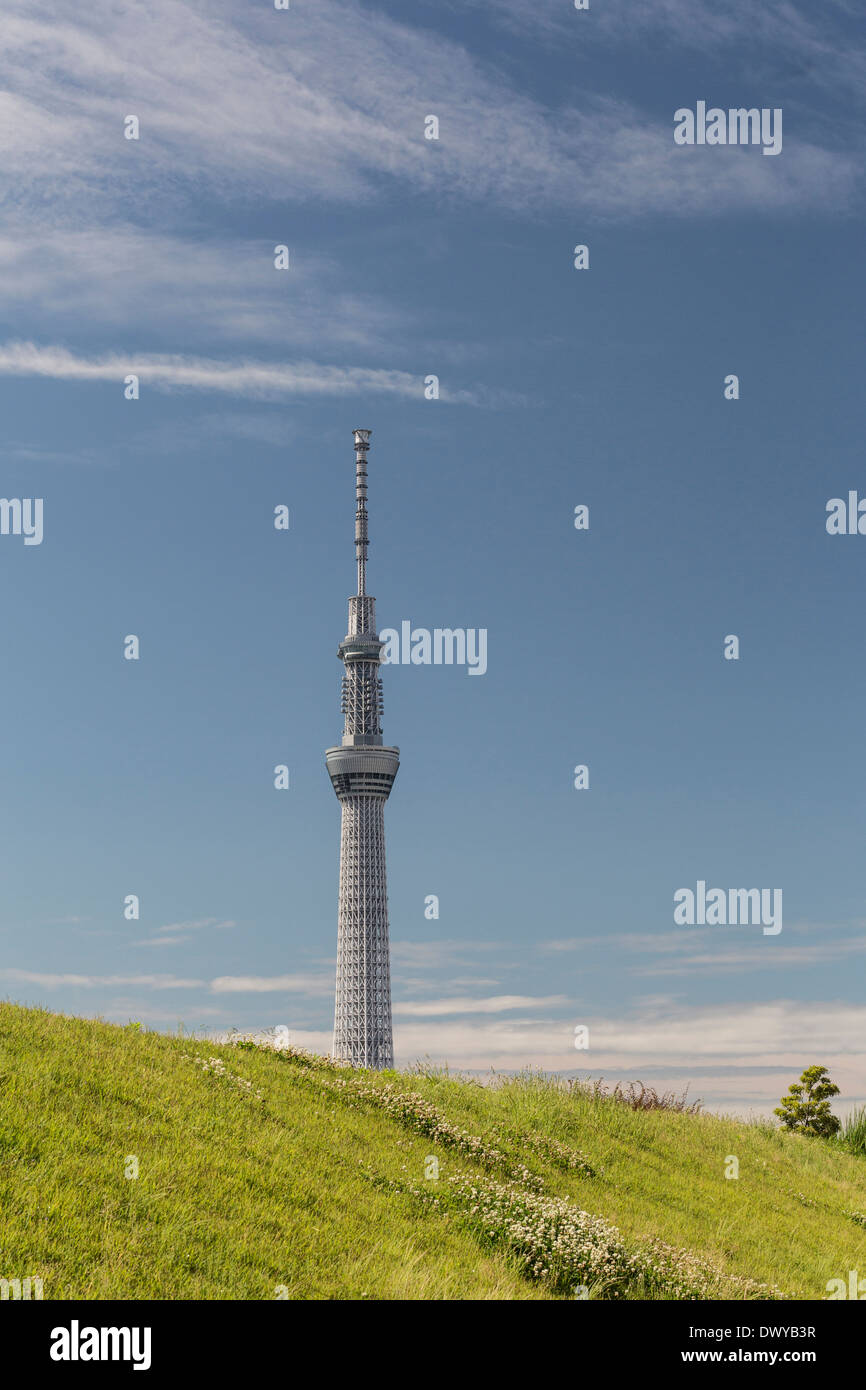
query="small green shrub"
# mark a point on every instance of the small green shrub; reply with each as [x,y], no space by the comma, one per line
[806,1107]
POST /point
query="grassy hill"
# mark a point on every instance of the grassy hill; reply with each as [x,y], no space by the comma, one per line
[264,1175]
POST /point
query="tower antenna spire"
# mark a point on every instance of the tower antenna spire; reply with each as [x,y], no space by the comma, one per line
[362,444]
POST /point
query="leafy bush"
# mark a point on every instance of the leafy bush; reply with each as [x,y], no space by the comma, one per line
[806,1107]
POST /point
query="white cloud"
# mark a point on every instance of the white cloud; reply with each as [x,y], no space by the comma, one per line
[438,953]
[740,1052]
[310,985]
[198,924]
[251,379]
[49,980]
[330,105]
[735,1057]
[718,950]
[495,1004]
[176,933]
[162,941]
[733,958]
[240,103]
[817,48]
[122,276]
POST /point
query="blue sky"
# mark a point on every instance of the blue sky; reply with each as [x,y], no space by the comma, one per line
[454,257]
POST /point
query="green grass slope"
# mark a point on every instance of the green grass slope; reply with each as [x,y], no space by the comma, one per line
[263,1175]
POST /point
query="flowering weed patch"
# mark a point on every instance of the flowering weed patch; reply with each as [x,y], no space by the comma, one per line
[413,1112]
[558,1244]
[217,1067]
[417,1114]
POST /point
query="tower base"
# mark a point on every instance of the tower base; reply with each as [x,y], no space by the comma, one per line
[362,1014]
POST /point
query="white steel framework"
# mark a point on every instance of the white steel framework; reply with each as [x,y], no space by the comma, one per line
[362,771]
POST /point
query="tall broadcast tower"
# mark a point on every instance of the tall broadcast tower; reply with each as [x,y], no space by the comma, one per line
[362,771]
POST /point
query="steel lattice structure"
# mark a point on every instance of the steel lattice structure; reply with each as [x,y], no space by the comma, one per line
[362,771]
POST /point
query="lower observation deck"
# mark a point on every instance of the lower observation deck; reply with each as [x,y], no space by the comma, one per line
[362,771]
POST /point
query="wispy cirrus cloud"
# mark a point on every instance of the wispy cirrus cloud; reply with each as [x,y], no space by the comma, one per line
[58,980]
[199,924]
[238,103]
[142,278]
[176,933]
[713,950]
[312,985]
[821,47]
[734,959]
[255,380]
[241,101]
[438,953]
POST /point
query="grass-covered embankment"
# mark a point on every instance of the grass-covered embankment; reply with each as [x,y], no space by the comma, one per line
[269,1175]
